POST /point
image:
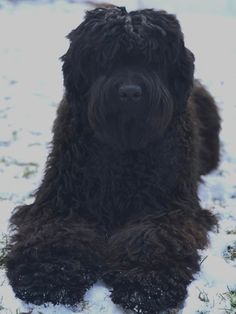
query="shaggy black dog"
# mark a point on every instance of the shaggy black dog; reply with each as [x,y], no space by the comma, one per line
[118,201]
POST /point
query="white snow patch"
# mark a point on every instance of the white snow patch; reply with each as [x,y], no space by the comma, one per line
[32,40]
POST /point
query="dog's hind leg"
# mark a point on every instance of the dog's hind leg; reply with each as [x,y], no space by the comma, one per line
[208,121]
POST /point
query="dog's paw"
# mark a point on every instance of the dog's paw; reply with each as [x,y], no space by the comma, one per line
[55,283]
[136,301]
[49,294]
[146,293]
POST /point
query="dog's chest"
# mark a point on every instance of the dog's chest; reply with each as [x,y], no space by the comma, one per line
[125,187]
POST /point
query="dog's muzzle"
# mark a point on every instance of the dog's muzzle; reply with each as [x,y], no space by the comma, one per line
[129,113]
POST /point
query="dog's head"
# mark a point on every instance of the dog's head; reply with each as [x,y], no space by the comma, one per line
[134,71]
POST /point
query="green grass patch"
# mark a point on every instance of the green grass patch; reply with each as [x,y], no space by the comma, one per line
[4,242]
[230,252]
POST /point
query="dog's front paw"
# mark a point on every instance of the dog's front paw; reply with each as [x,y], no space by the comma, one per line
[146,293]
[62,282]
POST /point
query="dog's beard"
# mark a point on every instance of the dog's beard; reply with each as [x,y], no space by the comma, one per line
[129,126]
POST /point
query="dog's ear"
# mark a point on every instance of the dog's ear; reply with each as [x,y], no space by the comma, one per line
[77,60]
[179,60]
[71,68]
[182,77]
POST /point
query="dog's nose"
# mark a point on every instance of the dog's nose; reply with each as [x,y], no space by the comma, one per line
[130,93]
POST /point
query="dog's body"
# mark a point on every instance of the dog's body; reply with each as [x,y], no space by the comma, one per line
[119,199]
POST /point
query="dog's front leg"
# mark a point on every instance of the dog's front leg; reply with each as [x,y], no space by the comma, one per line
[153,260]
[57,262]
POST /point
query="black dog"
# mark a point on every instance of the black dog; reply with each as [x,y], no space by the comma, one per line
[119,201]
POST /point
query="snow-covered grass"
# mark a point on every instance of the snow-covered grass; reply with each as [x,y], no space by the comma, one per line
[32,40]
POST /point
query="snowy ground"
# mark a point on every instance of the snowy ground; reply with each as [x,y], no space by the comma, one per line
[32,40]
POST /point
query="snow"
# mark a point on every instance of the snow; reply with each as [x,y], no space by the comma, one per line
[32,40]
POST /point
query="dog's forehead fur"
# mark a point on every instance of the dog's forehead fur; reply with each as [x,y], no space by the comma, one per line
[115,33]
[111,39]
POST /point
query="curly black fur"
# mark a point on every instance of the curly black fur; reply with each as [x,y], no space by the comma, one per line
[118,201]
